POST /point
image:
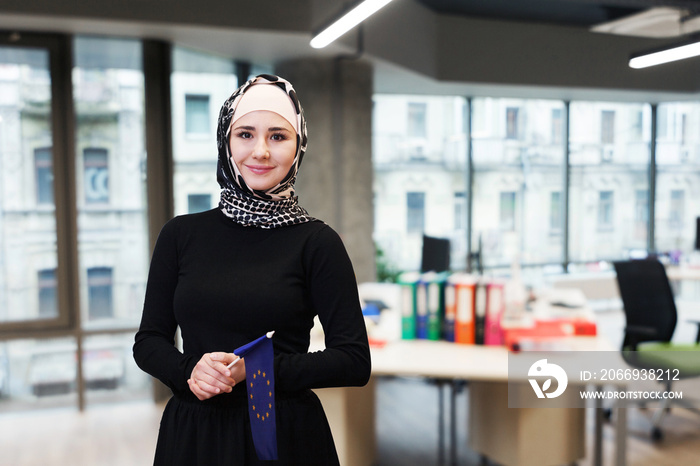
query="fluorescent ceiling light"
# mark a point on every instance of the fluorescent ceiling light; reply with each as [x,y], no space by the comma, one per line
[654,22]
[346,22]
[673,53]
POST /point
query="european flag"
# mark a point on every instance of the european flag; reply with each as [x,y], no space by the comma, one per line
[260,382]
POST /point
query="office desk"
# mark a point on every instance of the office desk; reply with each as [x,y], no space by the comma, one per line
[485,368]
[682,272]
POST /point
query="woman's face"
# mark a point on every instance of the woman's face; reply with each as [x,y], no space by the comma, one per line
[263,145]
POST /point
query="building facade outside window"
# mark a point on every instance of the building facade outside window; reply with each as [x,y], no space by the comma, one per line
[110,214]
[608,170]
[512,123]
[48,302]
[507,211]
[556,209]
[415,212]
[513,179]
[96,176]
[44,176]
[607,126]
[99,282]
[419,176]
[677,202]
[197,114]
[200,84]
[27,204]
[198,203]
[606,209]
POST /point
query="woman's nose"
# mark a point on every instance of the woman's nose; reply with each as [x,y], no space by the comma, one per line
[261,149]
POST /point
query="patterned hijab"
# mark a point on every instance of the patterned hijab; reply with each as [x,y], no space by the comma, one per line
[271,208]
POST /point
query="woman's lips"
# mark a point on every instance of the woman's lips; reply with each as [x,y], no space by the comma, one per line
[259,169]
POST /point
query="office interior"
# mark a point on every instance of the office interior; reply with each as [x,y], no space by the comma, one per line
[519,134]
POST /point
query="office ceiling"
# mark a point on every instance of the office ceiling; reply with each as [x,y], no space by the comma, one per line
[552,61]
[583,13]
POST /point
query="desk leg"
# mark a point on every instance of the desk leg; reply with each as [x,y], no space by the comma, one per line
[453,422]
[441,423]
[452,441]
[620,435]
[598,430]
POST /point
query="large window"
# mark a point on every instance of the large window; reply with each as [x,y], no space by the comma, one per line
[86,285]
[420,161]
[517,166]
[520,201]
[609,179]
[28,231]
[677,198]
[200,84]
[108,88]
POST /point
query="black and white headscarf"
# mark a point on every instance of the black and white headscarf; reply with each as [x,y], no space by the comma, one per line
[272,208]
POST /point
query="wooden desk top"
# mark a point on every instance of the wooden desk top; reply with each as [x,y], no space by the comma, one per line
[441,359]
[682,272]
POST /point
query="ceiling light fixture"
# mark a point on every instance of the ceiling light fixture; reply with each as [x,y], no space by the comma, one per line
[346,22]
[666,55]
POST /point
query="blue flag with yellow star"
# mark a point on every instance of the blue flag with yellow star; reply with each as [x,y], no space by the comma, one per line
[260,382]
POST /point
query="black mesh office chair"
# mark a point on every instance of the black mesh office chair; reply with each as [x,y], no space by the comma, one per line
[651,317]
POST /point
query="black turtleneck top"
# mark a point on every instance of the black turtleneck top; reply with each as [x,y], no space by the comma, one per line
[225,284]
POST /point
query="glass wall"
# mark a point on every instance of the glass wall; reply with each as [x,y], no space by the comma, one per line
[520,198]
[28,258]
[609,190]
[420,160]
[91,344]
[36,374]
[110,160]
[518,163]
[200,84]
[678,176]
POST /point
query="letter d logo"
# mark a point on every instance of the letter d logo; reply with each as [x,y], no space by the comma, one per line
[542,369]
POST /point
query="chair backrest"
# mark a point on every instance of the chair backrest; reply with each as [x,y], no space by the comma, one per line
[435,256]
[647,299]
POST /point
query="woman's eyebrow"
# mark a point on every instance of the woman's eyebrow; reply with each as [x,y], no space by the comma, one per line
[270,129]
[247,128]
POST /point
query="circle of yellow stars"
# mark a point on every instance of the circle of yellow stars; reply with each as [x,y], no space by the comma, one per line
[264,415]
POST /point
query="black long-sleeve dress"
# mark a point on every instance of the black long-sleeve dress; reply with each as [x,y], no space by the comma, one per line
[224,285]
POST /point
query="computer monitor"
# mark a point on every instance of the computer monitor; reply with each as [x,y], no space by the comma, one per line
[436,254]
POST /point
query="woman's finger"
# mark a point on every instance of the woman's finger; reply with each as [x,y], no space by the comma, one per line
[214,369]
[198,392]
[223,384]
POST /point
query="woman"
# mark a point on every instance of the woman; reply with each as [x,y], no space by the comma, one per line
[226,276]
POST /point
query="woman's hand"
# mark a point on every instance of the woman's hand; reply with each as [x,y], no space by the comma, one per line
[210,376]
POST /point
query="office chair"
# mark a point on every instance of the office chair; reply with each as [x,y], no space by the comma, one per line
[435,255]
[651,317]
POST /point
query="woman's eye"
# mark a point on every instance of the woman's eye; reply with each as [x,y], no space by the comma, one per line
[245,135]
[278,137]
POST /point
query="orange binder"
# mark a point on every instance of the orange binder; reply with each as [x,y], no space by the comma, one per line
[464,296]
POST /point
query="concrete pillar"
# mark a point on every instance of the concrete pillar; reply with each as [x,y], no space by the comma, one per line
[335,179]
